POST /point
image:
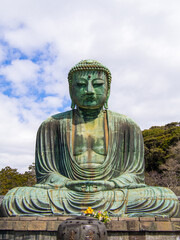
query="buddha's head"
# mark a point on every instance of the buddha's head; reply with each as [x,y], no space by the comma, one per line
[89,85]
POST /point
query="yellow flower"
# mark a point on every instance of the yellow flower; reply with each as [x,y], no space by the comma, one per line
[89,210]
[102,216]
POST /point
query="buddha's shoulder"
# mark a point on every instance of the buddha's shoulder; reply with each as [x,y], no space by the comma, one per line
[63,115]
[58,117]
[122,118]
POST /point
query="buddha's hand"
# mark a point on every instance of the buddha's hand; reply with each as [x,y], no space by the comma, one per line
[129,185]
[54,180]
[90,186]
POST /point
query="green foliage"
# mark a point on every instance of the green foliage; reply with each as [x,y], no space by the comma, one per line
[30,176]
[10,178]
[162,156]
[158,141]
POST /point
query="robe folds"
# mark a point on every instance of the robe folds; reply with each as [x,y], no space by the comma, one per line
[123,165]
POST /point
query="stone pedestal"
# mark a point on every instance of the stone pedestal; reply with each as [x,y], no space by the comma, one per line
[45,228]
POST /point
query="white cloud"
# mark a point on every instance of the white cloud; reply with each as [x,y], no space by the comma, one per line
[21,74]
[2,53]
[20,71]
[16,138]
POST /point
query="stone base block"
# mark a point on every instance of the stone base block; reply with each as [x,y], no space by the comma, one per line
[45,228]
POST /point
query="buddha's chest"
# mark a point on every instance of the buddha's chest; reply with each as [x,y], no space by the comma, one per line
[89,145]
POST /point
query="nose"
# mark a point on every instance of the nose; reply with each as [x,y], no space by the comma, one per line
[90,89]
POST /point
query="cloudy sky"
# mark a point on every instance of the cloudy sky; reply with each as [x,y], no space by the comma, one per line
[138,40]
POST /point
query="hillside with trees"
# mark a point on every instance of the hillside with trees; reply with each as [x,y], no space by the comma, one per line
[162,156]
[162,161]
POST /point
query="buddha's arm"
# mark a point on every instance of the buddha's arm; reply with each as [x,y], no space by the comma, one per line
[131,158]
[127,181]
[54,180]
[48,155]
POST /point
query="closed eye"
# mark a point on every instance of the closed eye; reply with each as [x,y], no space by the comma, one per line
[97,84]
[81,84]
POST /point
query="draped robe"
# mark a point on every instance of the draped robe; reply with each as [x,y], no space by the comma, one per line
[123,165]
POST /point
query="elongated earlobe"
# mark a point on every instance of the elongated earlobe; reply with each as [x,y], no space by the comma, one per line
[107,98]
[73,105]
[106,105]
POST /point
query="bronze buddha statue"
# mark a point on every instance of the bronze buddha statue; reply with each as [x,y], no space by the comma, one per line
[90,157]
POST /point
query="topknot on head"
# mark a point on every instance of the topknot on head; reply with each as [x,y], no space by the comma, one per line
[89,65]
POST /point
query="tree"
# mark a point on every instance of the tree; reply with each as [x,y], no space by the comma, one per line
[10,178]
[30,175]
[168,174]
[158,142]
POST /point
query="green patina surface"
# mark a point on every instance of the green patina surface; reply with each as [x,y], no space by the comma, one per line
[90,156]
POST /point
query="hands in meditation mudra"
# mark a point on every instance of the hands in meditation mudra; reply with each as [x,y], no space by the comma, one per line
[90,157]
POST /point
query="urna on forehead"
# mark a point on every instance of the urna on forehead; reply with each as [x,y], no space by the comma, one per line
[89,65]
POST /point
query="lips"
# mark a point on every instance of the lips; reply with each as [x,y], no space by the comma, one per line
[89,98]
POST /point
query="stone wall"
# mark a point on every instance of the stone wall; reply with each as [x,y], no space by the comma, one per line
[38,228]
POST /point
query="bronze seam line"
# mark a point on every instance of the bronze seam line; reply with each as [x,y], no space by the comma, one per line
[106,131]
[73,131]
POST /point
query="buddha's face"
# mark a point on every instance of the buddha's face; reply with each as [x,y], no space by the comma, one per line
[89,89]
